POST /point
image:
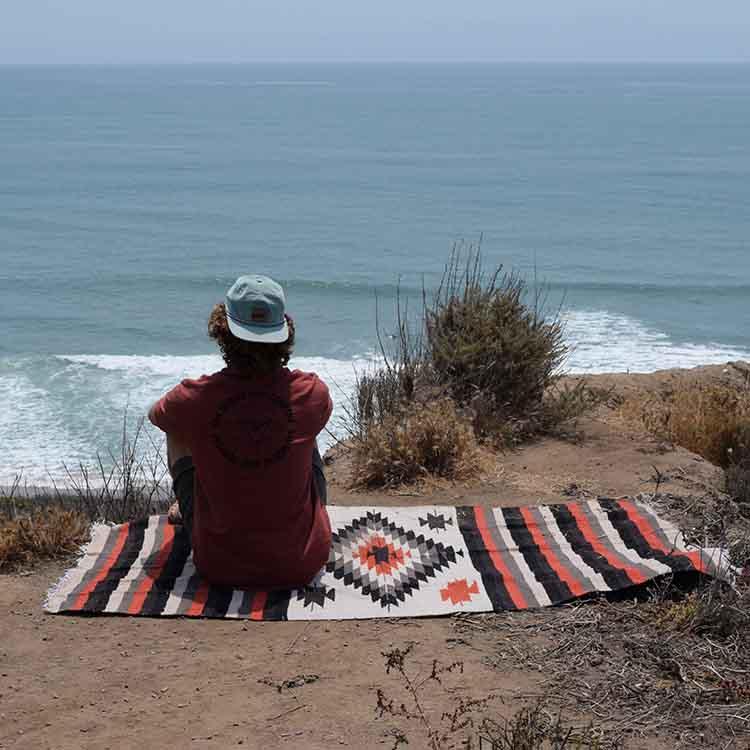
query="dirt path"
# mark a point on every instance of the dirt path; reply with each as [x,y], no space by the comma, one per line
[110,682]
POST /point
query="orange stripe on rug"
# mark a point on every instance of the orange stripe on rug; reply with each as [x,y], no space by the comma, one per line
[257,605]
[633,573]
[560,570]
[509,582]
[150,579]
[199,601]
[102,574]
[650,535]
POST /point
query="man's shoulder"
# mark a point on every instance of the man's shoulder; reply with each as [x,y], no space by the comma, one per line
[203,383]
[200,382]
[306,380]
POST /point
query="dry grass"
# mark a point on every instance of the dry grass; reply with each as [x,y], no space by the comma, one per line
[531,728]
[44,534]
[421,440]
[712,420]
[126,485]
[635,678]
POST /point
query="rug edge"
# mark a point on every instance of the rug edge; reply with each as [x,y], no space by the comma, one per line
[55,596]
[717,556]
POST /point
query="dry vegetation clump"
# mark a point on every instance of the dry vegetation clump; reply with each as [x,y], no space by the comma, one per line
[418,440]
[44,534]
[716,609]
[710,419]
[492,348]
[531,728]
[484,344]
[41,524]
[619,664]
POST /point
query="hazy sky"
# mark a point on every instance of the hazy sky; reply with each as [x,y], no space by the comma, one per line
[47,31]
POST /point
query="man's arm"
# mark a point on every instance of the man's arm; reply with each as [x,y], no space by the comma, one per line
[168,414]
[175,412]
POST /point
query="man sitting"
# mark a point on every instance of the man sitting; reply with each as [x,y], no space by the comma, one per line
[241,447]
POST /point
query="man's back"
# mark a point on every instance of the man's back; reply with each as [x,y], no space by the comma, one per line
[257,518]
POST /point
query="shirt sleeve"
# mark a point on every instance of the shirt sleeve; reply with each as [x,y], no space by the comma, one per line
[173,412]
[326,403]
[318,405]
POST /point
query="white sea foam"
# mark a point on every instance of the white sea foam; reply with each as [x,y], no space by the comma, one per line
[65,409]
[57,413]
[603,342]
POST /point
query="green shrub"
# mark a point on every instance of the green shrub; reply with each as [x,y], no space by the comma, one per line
[490,345]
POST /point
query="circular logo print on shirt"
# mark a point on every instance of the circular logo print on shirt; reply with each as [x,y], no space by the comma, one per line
[252,430]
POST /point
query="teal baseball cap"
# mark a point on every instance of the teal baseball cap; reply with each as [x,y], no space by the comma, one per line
[255,310]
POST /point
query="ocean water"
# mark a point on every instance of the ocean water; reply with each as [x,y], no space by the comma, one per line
[131,197]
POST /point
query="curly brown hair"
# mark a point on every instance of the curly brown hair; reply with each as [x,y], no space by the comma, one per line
[249,356]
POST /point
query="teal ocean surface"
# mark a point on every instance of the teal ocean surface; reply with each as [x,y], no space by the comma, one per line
[131,197]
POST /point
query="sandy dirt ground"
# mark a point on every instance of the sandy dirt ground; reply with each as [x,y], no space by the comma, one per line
[115,682]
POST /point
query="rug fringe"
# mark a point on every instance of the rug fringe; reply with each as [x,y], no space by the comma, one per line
[63,583]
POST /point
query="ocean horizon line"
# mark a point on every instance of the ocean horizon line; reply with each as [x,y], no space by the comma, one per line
[684,62]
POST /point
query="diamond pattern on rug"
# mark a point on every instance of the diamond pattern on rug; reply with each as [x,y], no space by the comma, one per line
[315,596]
[436,521]
[384,561]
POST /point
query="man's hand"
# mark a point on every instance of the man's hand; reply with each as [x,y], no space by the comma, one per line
[173,514]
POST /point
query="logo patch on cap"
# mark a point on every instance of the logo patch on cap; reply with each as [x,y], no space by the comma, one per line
[260,314]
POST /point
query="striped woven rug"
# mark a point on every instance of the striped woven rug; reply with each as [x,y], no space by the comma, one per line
[386,562]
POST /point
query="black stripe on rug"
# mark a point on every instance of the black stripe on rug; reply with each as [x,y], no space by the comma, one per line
[633,538]
[98,598]
[480,558]
[157,597]
[277,605]
[614,577]
[557,590]
[217,601]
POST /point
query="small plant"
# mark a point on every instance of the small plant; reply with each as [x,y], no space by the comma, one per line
[533,729]
[128,485]
[440,731]
[421,440]
[716,609]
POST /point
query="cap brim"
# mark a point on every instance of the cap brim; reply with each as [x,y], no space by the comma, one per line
[264,335]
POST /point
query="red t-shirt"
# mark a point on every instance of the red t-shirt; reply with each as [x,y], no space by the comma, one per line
[257,518]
